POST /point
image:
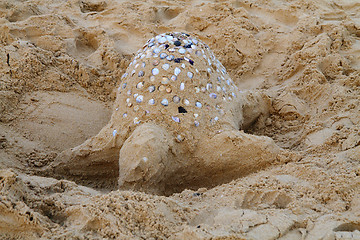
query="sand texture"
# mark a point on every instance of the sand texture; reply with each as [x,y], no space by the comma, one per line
[281,160]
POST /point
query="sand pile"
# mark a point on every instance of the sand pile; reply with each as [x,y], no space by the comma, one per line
[61,63]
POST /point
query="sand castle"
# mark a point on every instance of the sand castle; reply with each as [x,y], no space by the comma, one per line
[175,125]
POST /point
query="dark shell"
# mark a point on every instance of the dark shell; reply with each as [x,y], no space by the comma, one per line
[177,43]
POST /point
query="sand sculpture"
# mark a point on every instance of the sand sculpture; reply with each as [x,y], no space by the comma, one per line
[175,125]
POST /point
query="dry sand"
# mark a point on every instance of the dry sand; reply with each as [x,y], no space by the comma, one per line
[61,61]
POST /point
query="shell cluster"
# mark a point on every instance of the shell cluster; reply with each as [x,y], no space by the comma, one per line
[178,76]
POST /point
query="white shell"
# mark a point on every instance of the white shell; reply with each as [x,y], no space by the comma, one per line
[182,51]
[166,66]
[177,71]
[162,40]
[176,119]
[136,120]
[190,74]
[140,85]
[182,86]
[151,88]
[176,99]
[155,71]
[213,95]
[139,99]
[165,102]
[157,50]
[173,77]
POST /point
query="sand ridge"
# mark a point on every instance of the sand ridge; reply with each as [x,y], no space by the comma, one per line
[61,63]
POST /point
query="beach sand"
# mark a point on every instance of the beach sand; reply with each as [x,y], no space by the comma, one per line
[62,61]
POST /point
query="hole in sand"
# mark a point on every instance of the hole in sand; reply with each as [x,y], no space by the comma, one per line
[182,110]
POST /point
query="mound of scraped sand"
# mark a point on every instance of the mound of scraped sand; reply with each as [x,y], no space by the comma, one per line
[61,61]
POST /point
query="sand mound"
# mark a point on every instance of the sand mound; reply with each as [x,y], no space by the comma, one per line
[62,61]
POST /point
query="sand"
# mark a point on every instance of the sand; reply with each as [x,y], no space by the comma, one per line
[62,61]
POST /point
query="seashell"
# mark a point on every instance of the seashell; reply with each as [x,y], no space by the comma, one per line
[179,138]
[170,57]
[165,102]
[213,95]
[163,55]
[196,123]
[165,80]
[136,120]
[173,78]
[162,40]
[155,71]
[176,119]
[151,88]
[166,66]
[157,50]
[182,86]
[176,99]
[177,71]
[140,85]
[161,88]
[139,98]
